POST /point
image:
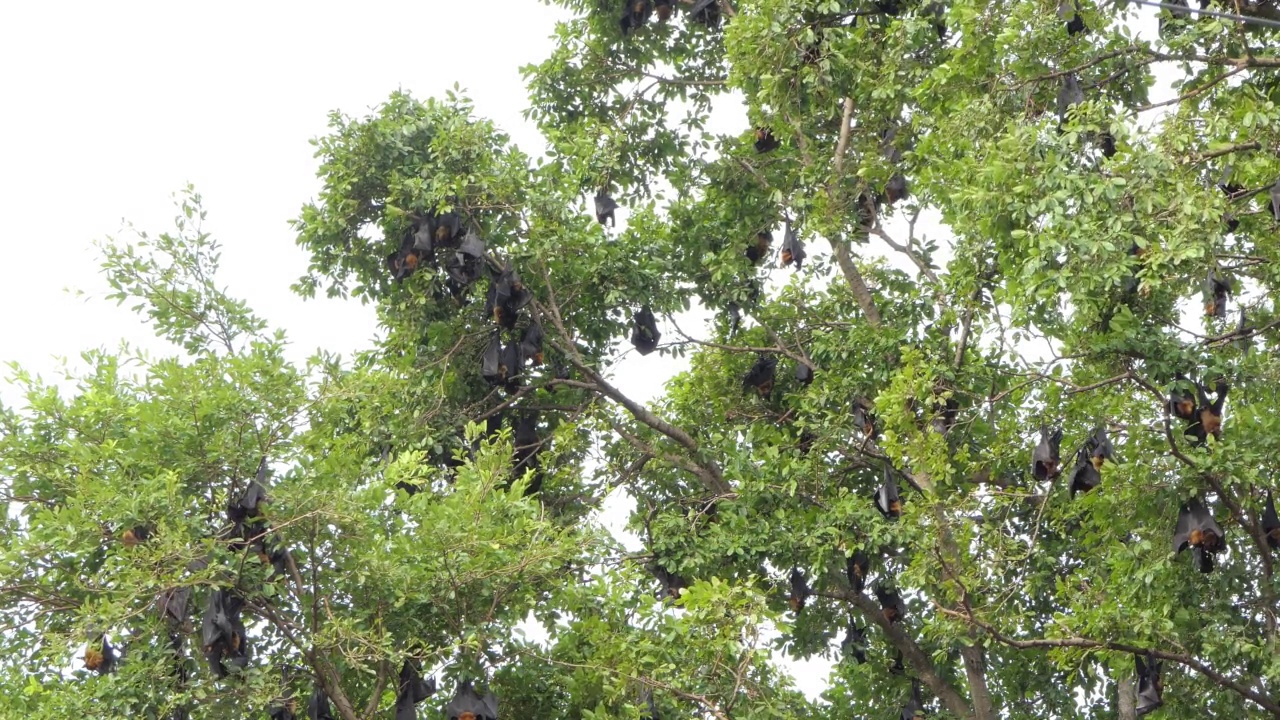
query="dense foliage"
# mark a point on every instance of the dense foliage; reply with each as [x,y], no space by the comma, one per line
[994,218]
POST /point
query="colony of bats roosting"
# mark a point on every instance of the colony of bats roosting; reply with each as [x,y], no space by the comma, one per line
[448,242]
[224,637]
[1188,401]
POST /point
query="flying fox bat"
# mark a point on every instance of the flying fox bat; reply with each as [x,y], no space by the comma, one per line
[800,590]
[890,604]
[411,691]
[1271,522]
[222,633]
[858,566]
[467,704]
[855,643]
[1046,460]
[886,496]
[1198,530]
[1149,685]
[761,375]
[644,331]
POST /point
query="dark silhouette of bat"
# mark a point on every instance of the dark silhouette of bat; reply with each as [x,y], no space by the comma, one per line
[1198,530]
[467,704]
[644,331]
[1046,459]
[800,590]
[1149,684]
[761,375]
[411,691]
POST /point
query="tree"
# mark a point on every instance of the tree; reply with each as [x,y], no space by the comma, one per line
[1037,217]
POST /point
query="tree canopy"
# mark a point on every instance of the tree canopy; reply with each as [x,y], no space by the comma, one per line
[984,411]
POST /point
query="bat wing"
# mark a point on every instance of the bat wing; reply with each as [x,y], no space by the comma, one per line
[492,357]
[1182,531]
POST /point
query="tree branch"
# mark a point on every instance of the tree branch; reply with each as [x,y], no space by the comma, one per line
[1087,644]
[912,653]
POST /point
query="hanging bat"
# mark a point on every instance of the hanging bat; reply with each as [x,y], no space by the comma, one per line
[792,249]
[222,633]
[857,567]
[644,331]
[1242,342]
[278,558]
[1100,449]
[172,605]
[527,446]
[318,707]
[1275,200]
[759,250]
[1226,185]
[507,296]
[1271,522]
[531,343]
[1182,404]
[1208,418]
[672,584]
[806,441]
[800,590]
[1046,459]
[1216,290]
[492,368]
[1198,530]
[1149,685]
[1069,13]
[650,711]
[897,667]
[705,12]
[514,361]
[1107,144]
[134,535]
[804,373]
[446,228]
[854,643]
[895,189]
[936,14]
[761,375]
[1085,475]
[664,8]
[467,704]
[282,710]
[914,709]
[946,419]
[635,16]
[605,206]
[99,656]
[403,263]
[891,604]
[1181,12]
[1231,222]
[411,691]
[863,418]
[889,7]
[466,265]
[1069,95]
[886,496]
[254,495]
[765,141]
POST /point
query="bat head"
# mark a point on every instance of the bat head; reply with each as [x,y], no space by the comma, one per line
[93,658]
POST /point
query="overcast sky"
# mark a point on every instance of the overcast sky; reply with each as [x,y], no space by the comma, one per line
[109,108]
